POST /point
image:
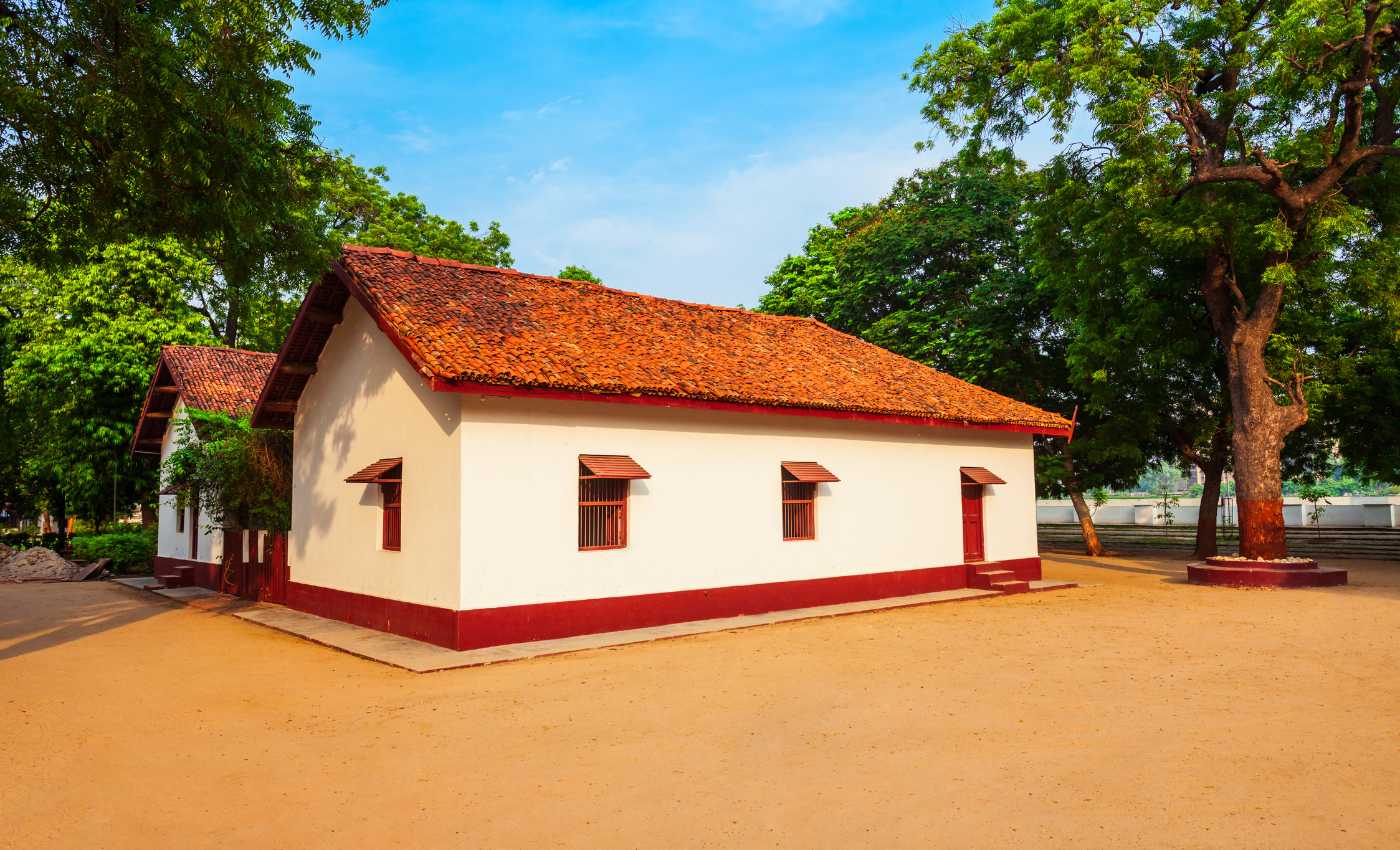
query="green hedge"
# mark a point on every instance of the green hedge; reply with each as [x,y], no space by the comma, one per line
[27,538]
[131,551]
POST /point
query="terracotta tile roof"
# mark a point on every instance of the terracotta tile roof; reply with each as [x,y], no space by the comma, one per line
[461,323]
[221,380]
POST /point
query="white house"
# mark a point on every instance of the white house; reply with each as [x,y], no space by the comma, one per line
[484,456]
[220,380]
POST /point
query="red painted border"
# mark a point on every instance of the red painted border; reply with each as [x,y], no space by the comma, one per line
[482,627]
[440,385]
[420,622]
[205,573]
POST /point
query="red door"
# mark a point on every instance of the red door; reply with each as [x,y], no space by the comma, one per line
[973,549]
[274,569]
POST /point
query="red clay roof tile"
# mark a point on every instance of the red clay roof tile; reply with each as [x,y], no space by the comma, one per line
[469,324]
[220,380]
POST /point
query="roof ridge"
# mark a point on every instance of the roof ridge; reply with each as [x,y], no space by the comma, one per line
[584,284]
[169,345]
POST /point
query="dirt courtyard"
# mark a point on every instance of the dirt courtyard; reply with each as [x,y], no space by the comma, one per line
[1136,711]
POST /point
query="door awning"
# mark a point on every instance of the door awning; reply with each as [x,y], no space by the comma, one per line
[612,466]
[807,471]
[384,469]
[979,475]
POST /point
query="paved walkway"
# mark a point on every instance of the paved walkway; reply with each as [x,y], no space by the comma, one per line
[421,657]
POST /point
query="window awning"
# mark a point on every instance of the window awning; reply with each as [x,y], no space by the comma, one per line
[807,471]
[384,469]
[612,466]
[979,475]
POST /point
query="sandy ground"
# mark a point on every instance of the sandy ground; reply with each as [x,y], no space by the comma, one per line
[1135,712]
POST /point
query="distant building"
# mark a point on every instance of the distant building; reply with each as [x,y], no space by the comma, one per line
[219,380]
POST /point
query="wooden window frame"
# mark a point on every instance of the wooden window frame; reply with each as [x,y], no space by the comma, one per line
[615,532]
[180,517]
[799,509]
[391,529]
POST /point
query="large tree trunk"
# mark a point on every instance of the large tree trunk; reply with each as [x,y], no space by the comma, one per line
[1092,546]
[1260,422]
[1258,446]
[1206,544]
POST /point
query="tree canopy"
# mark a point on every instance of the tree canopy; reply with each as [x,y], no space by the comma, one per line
[578,273]
[84,346]
[1254,139]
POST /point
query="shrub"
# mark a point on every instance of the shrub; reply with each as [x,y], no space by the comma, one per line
[131,551]
[27,538]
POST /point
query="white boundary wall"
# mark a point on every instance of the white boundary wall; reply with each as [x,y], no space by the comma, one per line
[176,544]
[1345,511]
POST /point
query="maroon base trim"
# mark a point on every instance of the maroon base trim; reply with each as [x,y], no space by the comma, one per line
[482,627]
[205,573]
[420,622]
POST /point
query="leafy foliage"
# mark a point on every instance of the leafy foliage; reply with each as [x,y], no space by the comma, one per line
[242,475]
[86,340]
[361,209]
[131,550]
[940,271]
[578,273]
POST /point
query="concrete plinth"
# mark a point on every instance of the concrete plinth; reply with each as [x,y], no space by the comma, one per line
[1235,573]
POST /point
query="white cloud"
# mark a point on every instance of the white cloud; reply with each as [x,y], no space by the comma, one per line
[712,240]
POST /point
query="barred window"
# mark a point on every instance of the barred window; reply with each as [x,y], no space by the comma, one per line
[799,510]
[800,479]
[602,511]
[604,483]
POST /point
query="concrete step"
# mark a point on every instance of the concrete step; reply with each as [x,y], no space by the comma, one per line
[1013,586]
[176,577]
[986,579]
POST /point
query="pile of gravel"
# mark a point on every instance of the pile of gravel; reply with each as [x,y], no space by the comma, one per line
[39,564]
[5,552]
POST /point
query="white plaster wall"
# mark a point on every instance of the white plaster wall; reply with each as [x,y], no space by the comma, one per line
[176,544]
[710,514]
[367,403]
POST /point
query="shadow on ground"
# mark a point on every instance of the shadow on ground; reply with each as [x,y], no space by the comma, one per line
[32,626]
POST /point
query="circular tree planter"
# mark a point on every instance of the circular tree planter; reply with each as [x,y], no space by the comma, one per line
[1234,571]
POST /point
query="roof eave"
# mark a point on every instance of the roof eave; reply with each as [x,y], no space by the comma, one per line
[470,387]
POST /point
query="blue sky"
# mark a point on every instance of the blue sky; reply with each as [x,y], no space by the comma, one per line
[677,148]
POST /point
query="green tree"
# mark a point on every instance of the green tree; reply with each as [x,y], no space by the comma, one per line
[1270,124]
[349,203]
[939,272]
[578,273]
[360,208]
[123,120]
[1139,346]
[86,342]
[242,474]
